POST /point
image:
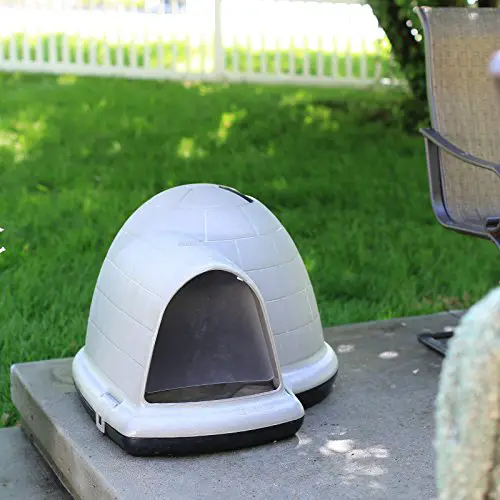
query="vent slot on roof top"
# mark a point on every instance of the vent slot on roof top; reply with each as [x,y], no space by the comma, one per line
[236,192]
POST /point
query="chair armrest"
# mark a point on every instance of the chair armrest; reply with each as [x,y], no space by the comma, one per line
[437,139]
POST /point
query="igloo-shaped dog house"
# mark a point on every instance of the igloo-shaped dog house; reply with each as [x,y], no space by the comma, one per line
[179,357]
[203,328]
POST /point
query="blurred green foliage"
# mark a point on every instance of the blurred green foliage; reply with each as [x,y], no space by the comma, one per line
[403,29]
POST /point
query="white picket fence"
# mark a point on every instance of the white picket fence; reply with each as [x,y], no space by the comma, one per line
[319,42]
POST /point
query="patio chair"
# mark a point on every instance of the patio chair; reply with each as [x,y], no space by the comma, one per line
[463,143]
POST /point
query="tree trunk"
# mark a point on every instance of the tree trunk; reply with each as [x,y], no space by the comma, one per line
[407,52]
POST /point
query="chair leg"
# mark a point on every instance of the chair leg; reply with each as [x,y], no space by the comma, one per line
[436,341]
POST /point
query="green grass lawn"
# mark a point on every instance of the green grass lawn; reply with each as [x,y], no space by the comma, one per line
[77,156]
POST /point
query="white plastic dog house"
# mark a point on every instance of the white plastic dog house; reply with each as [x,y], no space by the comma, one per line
[202,326]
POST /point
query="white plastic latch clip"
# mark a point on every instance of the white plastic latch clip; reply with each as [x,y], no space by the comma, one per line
[99,422]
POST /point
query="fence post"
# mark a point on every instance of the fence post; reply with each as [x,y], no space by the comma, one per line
[219,63]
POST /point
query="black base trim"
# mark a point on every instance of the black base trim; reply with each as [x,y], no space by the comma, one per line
[317,394]
[144,447]
[438,342]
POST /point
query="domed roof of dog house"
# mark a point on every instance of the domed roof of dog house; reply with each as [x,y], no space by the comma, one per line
[247,233]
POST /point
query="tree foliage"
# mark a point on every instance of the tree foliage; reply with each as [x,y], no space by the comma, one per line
[402,27]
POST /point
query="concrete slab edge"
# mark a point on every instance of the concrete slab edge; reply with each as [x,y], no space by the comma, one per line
[35,442]
[411,323]
[50,442]
[24,474]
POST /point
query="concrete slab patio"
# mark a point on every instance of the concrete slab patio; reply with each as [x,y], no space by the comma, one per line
[371,438]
